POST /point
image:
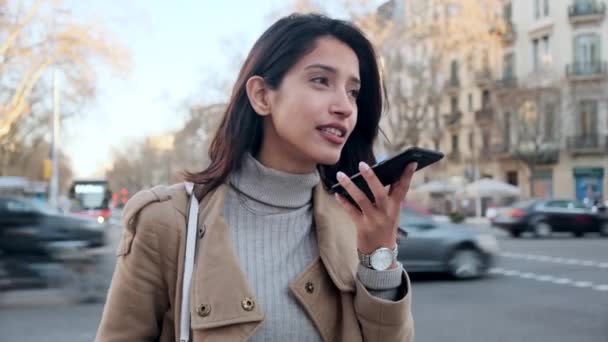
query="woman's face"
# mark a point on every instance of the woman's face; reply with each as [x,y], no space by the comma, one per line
[314,110]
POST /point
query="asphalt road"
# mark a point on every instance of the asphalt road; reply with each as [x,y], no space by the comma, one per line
[541,290]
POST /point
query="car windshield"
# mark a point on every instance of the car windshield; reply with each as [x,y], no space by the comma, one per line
[43,207]
[411,218]
[524,204]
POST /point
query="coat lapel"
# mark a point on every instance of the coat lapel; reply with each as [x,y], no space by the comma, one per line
[337,238]
[218,281]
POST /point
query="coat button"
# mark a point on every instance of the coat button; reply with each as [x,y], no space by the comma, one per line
[248,304]
[204,310]
[310,287]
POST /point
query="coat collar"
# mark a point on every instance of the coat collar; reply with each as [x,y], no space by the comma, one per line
[336,233]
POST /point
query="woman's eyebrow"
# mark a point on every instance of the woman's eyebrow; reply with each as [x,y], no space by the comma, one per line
[332,70]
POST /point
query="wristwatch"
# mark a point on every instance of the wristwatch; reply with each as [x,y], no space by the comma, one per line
[380,259]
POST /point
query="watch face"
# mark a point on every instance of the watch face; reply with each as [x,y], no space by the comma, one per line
[381,259]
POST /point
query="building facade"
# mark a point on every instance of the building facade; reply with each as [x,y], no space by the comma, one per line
[536,116]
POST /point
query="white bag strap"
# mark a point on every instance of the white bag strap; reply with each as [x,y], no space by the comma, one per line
[184,325]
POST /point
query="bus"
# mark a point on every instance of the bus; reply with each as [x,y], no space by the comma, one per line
[91,198]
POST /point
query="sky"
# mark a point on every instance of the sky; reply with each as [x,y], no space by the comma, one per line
[176,47]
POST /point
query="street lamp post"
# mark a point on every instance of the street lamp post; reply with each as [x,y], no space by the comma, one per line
[54,182]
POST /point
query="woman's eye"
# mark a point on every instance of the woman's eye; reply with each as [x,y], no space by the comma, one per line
[320,80]
[354,93]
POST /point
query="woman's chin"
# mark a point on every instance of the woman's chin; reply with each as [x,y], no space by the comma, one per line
[327,158]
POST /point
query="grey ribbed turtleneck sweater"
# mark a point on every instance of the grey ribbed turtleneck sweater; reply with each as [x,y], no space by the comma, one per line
[269,213]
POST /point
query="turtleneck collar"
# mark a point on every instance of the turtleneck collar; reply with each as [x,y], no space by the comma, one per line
[274,187]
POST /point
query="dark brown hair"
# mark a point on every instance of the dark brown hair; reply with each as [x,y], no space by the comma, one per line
[274,53]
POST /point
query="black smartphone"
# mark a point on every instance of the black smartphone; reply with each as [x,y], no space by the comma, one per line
[388,171]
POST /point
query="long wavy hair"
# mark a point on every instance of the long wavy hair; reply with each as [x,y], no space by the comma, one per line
[272,56]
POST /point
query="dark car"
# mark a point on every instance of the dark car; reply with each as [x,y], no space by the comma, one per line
[431,246]
[30,227]
[543,217]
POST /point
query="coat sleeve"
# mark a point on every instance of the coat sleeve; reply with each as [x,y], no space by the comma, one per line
[138,296]
[385,320]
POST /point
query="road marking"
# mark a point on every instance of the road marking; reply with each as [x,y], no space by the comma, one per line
[556,260]
[549,278]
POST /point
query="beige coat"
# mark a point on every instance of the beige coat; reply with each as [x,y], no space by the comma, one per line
[143,303]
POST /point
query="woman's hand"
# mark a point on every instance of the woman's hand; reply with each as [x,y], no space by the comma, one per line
[376,222]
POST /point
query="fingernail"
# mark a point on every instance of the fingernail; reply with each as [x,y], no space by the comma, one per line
[340,175]
[414,166]
[363,166]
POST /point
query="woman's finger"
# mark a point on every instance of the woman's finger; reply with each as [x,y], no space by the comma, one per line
[355,193]
[354,213]
[399,189]
[378,190]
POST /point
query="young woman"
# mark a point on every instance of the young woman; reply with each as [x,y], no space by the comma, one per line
[278,258]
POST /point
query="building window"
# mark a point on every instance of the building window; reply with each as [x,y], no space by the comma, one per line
[508,71]
[546,47]
[471,141]
[485,99]
[470,102]
[507,11]
[586,53]
[541,8]
[535,54]
[455,143]
[507,129]
[587,123]
[485,139]
[454,72]
[454,104]
[550,121]
[512,178]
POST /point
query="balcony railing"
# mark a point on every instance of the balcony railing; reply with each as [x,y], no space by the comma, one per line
[507,81]
[483,77]
[582,11]
[584,70]
[486,113]
[452,85]
[586,143]
[452,119]
[508,36]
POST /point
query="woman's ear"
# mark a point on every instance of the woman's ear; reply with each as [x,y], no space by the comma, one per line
[257,92]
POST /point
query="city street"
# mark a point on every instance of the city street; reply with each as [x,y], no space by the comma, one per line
[541,290]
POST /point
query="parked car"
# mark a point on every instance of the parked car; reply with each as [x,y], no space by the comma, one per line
[543,217]
[29,227]
[431,246]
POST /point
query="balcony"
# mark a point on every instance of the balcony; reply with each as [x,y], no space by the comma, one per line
[508,35]
[452,85]
[586,144]
[586,71]
[501,150]
[483,78]
[586,12]
[506,82]
[485,114]
[452,119]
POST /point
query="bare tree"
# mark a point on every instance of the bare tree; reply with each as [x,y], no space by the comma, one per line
[35,37]
[531,132]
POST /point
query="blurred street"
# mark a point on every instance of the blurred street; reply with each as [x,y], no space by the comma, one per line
[541,290]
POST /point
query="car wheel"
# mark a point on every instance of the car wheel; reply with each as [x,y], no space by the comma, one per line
[542,229]
[604,228]
[578,234]
[466,263]
[515,233]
